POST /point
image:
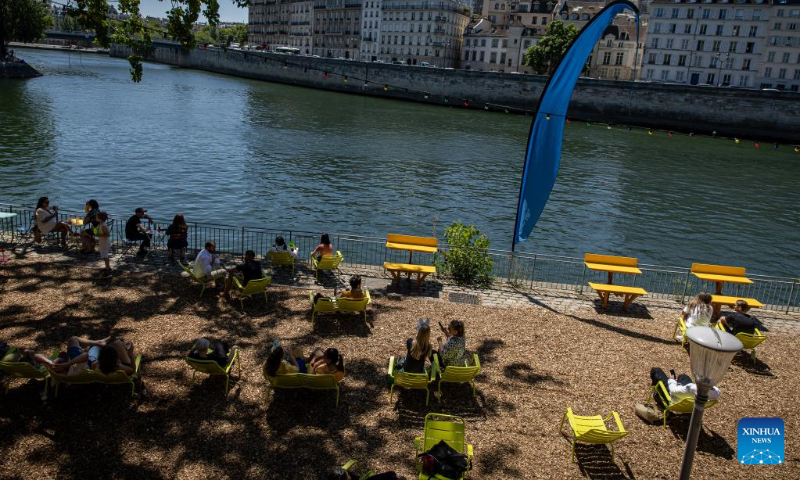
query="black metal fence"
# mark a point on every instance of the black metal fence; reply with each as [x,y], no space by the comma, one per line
[522,270]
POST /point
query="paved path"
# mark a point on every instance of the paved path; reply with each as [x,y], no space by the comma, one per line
[569,300]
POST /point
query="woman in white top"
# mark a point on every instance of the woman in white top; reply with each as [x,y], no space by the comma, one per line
[280,246]
[698,313]
[47,221]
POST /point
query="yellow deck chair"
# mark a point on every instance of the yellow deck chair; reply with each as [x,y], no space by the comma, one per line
[351,464]
[90,376]
[213,368]
[749,340]
[410,381]
[328,262]
[592,429]
[680,327]
[457,374]
[303,380]
[253,287]
[684,406]
[340,305]
[190,270]
[440,427]
[281,259]
[26,370]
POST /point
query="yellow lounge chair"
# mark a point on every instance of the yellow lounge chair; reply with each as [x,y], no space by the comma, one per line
[253,287]
[340,305]
[328,262]
[440,427]
[457,374]
[281,259]
[749,340]
[592,429]
[410,381]
[684,406]
[211,367]
[680,327]
[26,370]
[90,376]
[350,465]
[190,270]
[304,380]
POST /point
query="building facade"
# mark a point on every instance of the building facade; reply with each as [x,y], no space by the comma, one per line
[780,62]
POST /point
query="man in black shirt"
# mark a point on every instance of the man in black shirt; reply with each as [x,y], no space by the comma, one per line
[249,270]
[739,320]
[134,230]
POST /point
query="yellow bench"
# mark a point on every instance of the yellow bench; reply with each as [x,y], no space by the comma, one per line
[303,380]
[412,243]
[720,274]
[730,301]
[605,291]
[397,269]
[611,264]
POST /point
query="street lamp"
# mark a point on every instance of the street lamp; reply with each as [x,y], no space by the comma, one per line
[719,65]
[710,352]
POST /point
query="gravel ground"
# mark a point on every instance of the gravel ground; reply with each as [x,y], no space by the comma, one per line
[536,363]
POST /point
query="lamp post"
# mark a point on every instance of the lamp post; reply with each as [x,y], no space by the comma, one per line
[719,66]
[710,352]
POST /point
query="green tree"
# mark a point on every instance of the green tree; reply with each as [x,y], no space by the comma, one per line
[22,20]
[466,259]
[544,56]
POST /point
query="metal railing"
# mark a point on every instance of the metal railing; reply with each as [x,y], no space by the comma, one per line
[520,270]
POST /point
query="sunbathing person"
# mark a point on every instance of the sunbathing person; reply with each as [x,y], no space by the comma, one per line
[355,292]
[418,349]
[739,321]
[47,221]
[117,355]
[453,351]
[282,361]
[331,363]
[27,355]
[220,353]
[79,359]
[325,247]
[679,387]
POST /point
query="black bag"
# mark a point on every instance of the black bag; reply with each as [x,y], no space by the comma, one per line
[448,462]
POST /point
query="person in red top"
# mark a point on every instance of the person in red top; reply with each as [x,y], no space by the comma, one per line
[325,247]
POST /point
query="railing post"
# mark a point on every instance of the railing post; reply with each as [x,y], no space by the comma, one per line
[241,252]
[685,286]
[789,301]
[533,270]
[195,234]
[583,277]
[510,268]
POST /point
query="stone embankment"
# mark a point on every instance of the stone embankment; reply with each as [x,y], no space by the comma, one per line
[731,112]
[17,70]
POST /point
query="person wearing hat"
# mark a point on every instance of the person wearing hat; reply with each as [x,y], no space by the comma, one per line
[134,230]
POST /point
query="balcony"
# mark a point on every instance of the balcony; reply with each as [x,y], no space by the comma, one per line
[440,19]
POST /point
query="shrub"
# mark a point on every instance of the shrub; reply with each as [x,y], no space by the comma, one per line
[467,258]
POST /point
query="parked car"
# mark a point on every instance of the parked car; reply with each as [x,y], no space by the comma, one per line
[397,62]
[378,61]
[425,64]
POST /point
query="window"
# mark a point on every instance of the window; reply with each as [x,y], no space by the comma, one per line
[682,60]
[756,14]
[726,79]
[679,75]
[715,46]
[706,13]
[690,13]
[768,72]
[685,44]
[732,47]
[607,58]
[665,75]
[667,60]
[723,14]
[651,58]
[493,57]
[495,42]
[792,26]
[736,30]
[650,73]
[785,58]
[660,14]
[675,12]
[719,30]
[503,57]
[796,75]
[698,61]
[750,47]
[700,45]
[746,64]
[482,55]
[620,57]
[771,57]
[687,29]
[670,42]
[777,26]
[710,78]
[739,15]
[504,44]
[753,30]
[744,81]
[657,27]
[672,27]
[654,43]
[703,29]
[782,73]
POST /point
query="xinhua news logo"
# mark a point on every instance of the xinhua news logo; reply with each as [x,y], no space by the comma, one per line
[760,441]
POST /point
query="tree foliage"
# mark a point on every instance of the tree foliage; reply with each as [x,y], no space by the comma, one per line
[221,37]
[467,259]
[22,20]
[545,55]
[134,32]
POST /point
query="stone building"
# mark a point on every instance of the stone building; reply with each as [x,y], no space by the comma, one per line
[618,54]
[337,28]
[713,42]
[780,61]
[370,30]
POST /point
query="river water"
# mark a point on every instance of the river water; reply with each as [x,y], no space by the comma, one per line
[241,152]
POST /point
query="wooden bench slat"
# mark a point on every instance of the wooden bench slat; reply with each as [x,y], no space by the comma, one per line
[718,270]
[731,301]
[407,267]
[607,267]
[620,289]
[714,277]
[610,260]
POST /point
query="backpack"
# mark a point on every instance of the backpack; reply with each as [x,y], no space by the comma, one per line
[442,459]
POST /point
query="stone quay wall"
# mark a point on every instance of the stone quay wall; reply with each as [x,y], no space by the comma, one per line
[731,112]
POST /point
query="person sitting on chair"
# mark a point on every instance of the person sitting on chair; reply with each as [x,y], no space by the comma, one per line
[697,313]
[249,270]
[79,360]
[325,247]
[135,231]
[283,360]
[280,246]
[355,292]
[331,363]
[178,234]
[92,208]
[418,349]
[453,351]
[207,265]
[220,353]
[679,387]
[739,321]
[47,221]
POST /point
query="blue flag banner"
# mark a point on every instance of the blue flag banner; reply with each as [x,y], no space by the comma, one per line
[544,143]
